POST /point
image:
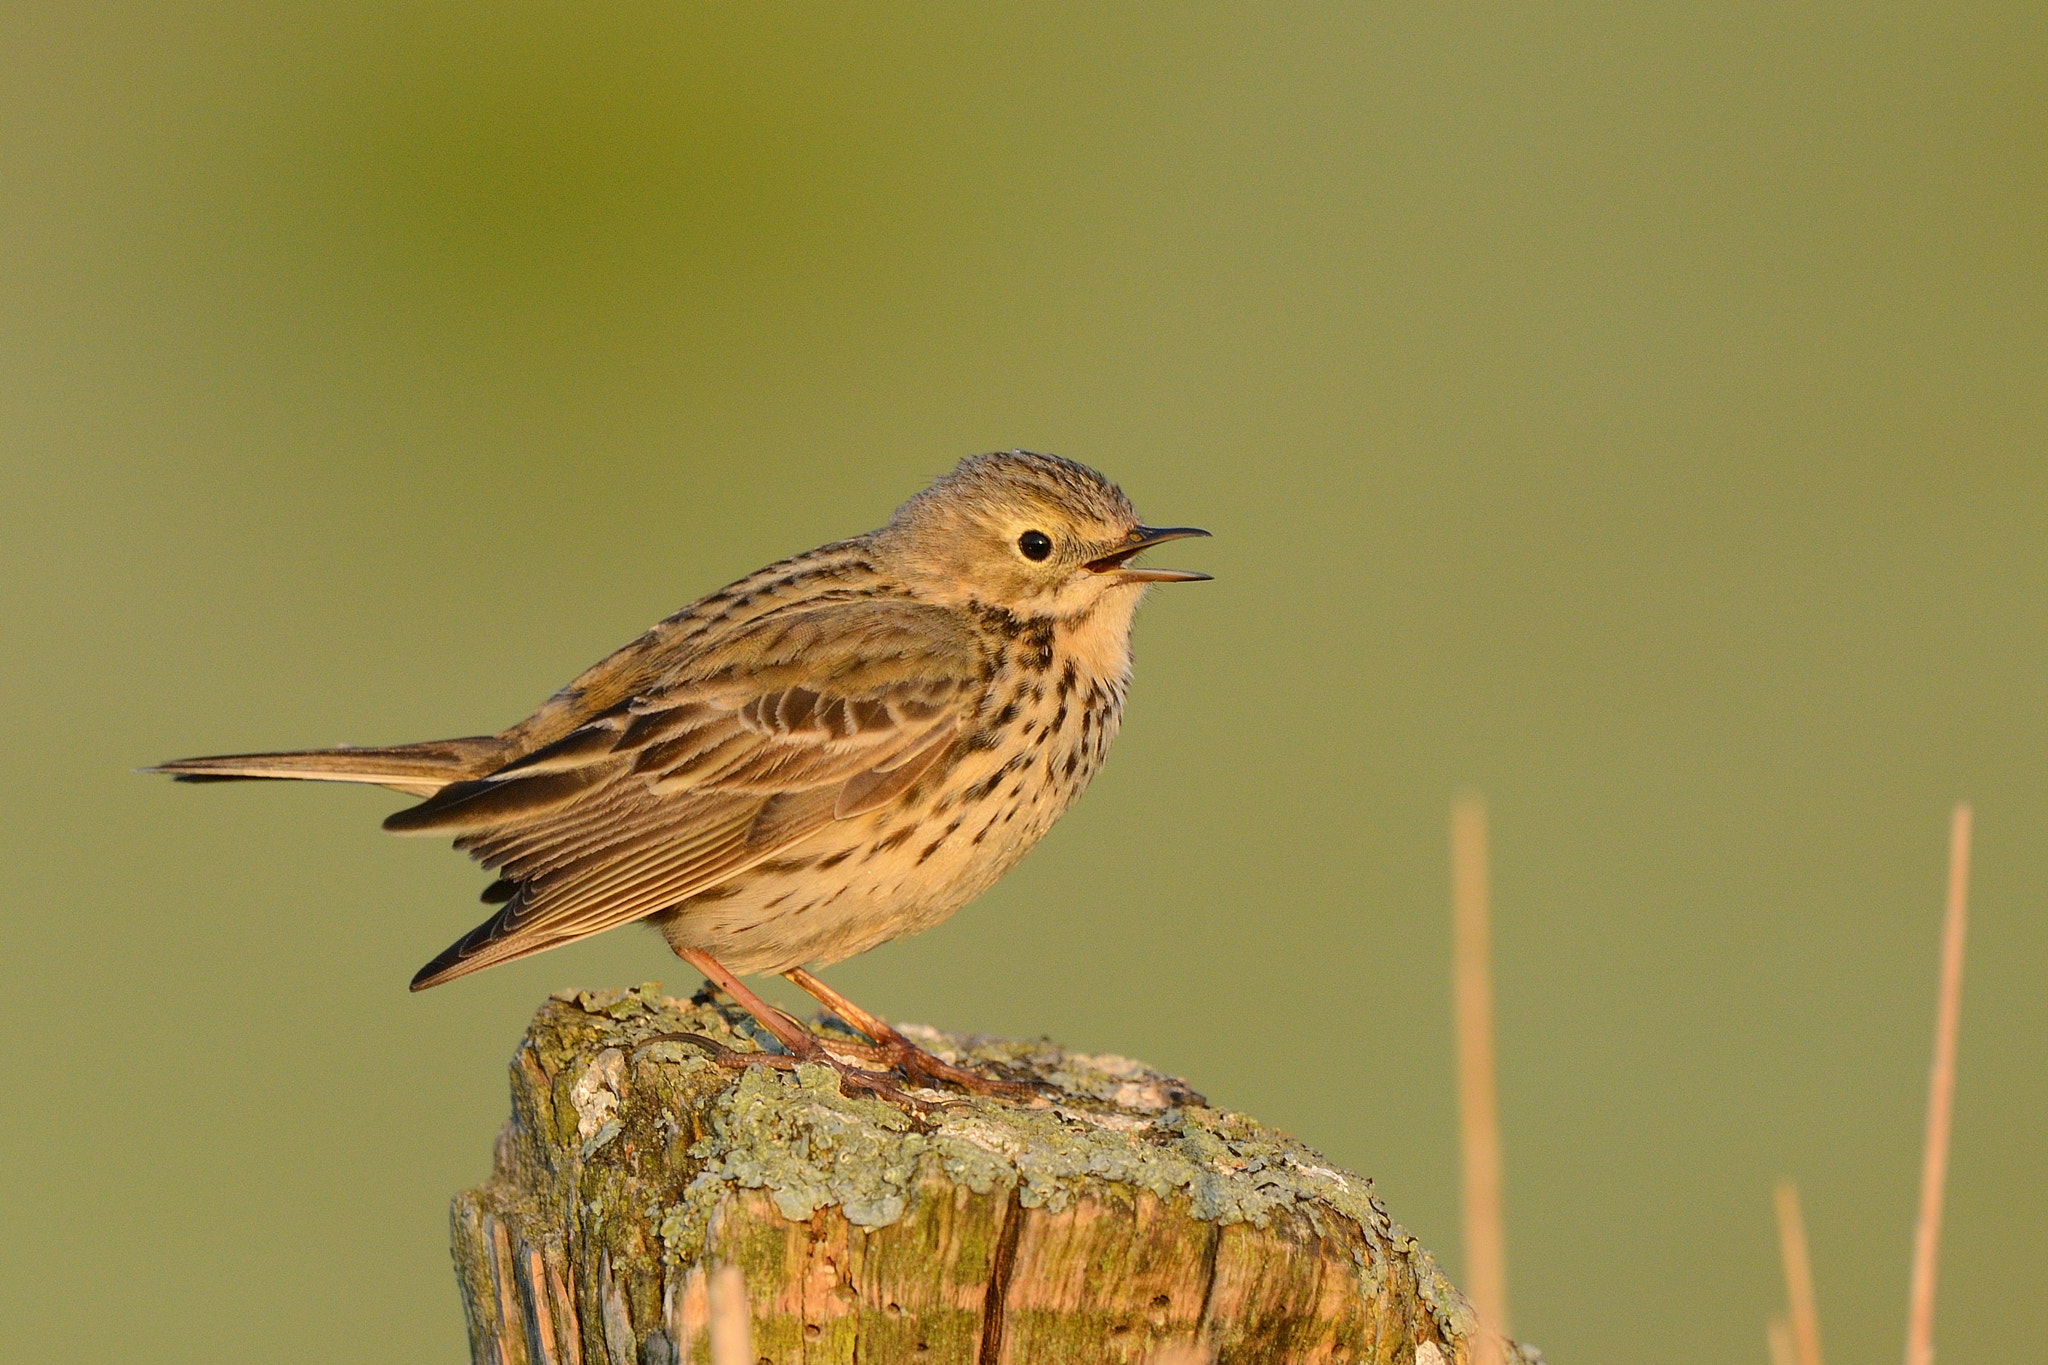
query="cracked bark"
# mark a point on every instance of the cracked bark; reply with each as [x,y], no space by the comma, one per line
[1001,1267]
[1117,1219]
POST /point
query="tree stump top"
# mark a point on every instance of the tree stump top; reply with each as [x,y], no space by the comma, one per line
[1113,1218]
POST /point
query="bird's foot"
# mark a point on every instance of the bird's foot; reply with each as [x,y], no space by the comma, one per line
[892,1049]
[799,1044]
[920,1067]
[854,1081]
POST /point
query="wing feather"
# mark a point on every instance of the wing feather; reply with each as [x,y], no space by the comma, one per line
[742,750]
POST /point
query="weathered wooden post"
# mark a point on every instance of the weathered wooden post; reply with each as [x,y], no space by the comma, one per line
[1117,1218]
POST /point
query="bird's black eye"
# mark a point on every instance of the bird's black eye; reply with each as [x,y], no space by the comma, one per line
[1034,544]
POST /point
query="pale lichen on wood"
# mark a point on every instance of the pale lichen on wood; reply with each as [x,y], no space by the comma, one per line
[1117,1218]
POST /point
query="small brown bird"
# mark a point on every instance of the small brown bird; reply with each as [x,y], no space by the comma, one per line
[834,751]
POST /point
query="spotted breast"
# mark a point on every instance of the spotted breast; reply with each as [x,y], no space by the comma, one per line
[1046,703]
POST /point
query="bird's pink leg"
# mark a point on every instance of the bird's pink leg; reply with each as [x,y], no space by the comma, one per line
[802,1045]
[897,1050]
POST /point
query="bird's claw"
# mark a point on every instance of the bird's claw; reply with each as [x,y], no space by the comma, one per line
[920,1066]
[853,1081]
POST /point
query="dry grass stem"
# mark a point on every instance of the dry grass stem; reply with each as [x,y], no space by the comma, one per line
[1802,1331]
[732,1336]
[1941,1084]
[1478,1103]
[1778,1337]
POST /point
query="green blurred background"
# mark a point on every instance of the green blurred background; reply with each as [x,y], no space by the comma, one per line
[1636,413]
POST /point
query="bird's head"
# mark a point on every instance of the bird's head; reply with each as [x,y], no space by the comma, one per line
[1035,534]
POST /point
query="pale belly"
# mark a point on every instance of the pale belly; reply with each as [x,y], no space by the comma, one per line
[861,882]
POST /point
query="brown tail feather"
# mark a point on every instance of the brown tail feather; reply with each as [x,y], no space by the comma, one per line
[490,943]
[416,769]
[479,805]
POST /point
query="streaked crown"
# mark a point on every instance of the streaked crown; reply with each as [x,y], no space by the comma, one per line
[1013,528]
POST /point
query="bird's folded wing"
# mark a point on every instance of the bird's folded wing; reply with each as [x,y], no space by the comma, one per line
[748,747]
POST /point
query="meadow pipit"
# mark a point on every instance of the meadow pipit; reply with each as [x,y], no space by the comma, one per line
[836,750]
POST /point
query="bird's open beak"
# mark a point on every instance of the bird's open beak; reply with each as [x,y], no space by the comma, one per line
[1144,538]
